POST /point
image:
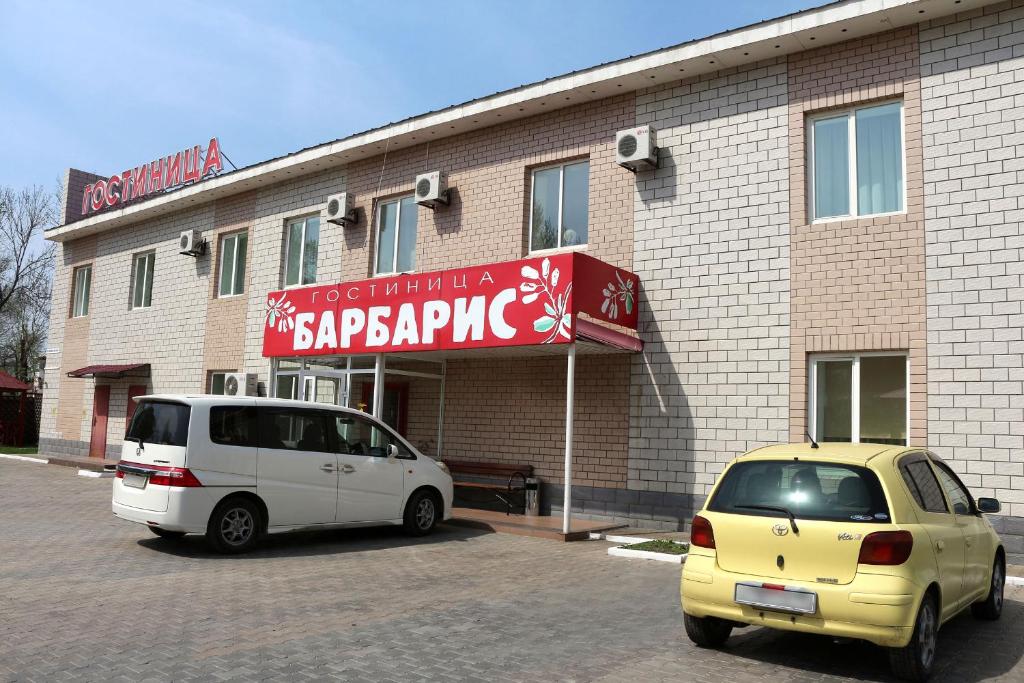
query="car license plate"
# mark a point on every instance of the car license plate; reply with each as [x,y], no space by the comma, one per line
[135,481]
[776,598]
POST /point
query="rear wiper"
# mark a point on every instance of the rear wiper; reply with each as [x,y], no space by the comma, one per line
[138,440]
[775,508]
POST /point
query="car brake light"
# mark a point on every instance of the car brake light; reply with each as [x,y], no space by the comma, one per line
[160,475]
[886,548]
[701,533]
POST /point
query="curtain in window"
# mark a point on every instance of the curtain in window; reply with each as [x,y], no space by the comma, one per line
[831,167]
[879,154]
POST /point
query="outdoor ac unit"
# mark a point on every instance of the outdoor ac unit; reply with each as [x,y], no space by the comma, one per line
[240,384]
[191,244]
[637,148]
[341,209]
[432,189]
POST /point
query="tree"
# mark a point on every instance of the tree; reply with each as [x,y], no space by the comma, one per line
[26,271]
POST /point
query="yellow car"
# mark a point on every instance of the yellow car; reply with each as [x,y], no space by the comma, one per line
[874,542]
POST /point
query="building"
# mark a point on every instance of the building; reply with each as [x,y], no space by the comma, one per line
[831,243]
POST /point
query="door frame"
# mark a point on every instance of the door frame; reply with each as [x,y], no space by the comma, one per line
[402,388]
[96,435]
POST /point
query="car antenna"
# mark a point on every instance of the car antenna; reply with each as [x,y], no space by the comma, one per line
[814,444]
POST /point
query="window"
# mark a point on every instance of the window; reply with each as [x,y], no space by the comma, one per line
[859,398]
[142,280]
[559,206]
[357,436]
[233,425]
[812,490]
[293,429]
[856,162]
[396,236]
[217,383]
[160,422]
[232,263]
[958,494]
[80,291]
[301,251]
[924,487]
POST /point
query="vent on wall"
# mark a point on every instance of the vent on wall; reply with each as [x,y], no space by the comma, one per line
[637,148]
[432,189]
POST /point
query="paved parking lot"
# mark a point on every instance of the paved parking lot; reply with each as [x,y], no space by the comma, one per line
[86,597]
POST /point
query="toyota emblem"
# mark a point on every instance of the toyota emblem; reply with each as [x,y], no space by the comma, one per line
[780,529]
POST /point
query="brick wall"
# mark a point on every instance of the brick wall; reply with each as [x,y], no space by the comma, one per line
[972,83]
[712,253]
[73,396]
[857,285]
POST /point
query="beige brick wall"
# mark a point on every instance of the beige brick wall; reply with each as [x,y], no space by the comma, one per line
[74,396]
[857,285]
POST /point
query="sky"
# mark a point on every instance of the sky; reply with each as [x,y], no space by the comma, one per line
[104,90]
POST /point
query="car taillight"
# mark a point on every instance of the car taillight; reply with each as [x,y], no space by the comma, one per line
[886,547]
[160,475]
[701,533]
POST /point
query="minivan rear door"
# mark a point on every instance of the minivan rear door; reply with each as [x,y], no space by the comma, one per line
[157,438]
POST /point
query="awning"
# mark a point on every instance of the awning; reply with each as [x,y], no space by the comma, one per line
[112,371]
[9,383]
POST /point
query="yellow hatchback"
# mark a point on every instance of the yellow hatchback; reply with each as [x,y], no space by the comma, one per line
[874,542]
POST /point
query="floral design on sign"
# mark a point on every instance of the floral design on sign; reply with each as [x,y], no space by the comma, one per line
[615,293]
[556,321]
[279,313]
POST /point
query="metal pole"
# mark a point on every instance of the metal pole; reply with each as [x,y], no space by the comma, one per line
[570,390]
[440,412]
[378,386]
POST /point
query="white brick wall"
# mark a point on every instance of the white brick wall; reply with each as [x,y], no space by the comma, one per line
[712,253]
[972,85]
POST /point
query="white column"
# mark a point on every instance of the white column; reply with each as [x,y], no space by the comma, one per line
[440,412]
[378,386]
[570,390]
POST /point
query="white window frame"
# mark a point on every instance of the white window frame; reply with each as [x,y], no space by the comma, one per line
[812,388]
[398,230]
[234,263]
[561,205]
[80,301]
[851,142]
[147,280]
[302,250]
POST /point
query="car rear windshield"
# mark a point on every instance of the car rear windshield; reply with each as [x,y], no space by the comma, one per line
[810,490]
[161,422]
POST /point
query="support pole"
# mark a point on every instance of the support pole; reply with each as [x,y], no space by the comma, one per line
[440,415]
[570,390]
[378,386]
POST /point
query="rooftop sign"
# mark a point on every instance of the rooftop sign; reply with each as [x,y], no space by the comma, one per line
[165,173]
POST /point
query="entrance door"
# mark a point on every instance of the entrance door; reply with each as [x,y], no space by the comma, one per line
[100,407]
[394,406]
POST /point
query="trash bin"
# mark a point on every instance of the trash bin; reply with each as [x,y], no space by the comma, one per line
[532,495]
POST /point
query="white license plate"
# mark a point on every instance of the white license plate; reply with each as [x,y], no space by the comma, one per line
[135,481]
[777,599]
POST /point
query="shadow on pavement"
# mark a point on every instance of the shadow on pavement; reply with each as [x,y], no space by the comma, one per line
[969,650]
[319,542]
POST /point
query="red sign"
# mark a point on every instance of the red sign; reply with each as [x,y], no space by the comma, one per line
[516,303]
[180,168]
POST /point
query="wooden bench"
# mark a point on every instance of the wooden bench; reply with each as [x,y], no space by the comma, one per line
[513,486]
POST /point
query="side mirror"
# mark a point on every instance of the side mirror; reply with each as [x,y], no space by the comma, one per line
[989,505]
[393,453]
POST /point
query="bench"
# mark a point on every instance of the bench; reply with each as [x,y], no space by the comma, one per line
[513,478]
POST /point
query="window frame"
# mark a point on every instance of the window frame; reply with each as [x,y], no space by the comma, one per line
[812,388]
[222,252]
[224,375]
[561,206]
[148,273]
[941,466]
[903,464]
[80,309]
[398,228]
[302,249]
[851,143]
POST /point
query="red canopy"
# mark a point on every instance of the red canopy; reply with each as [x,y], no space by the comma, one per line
[8,383]
[111,371]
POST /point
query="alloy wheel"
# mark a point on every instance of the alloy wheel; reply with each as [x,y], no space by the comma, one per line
[425,513]
[927,635]
[998,583]
[237,525]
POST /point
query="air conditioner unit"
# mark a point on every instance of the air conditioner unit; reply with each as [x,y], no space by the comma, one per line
[637,148]
[341,209]
[191,244]
[432,189]
[240,384]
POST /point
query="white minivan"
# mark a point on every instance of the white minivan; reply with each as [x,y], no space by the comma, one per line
[236,468]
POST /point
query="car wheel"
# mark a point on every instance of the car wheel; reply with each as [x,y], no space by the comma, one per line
[707,631]
[421,513]
[914,662]
[234,526]
[992,606]
[166,533]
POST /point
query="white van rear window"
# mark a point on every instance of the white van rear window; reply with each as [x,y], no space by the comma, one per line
[160,422]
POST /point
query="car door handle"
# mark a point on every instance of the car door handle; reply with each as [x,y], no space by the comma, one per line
[940,545]
[328,468]
[968,542]
[348,469]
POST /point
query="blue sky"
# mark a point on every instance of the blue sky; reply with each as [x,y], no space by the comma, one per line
[105,90]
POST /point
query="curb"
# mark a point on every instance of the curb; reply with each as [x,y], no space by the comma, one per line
[646,555]
[92,474]
[1017,581]
[614,538]
[25,458]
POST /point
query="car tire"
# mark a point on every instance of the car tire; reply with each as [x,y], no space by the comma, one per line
[421,513]
[991,607]
[166,533]
[707,631]
[915,661]
[234,526]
